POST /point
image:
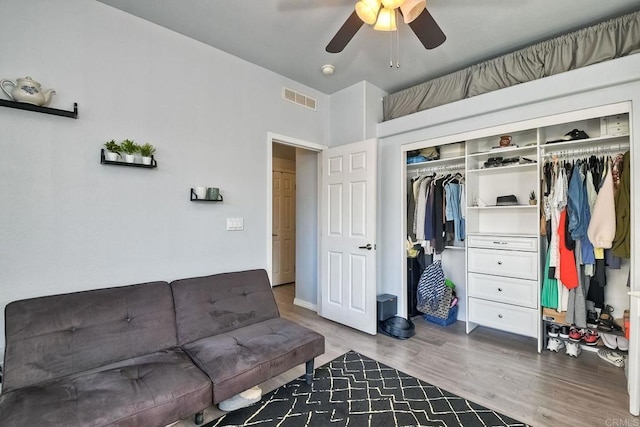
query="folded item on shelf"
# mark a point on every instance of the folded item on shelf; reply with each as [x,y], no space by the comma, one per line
[571,136]
[506,200]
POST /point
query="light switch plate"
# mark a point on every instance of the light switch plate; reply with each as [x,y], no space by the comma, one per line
[235,224]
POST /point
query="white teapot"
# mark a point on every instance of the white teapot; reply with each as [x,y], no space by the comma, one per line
[27,90]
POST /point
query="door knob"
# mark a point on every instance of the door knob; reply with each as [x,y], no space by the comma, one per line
[368,247]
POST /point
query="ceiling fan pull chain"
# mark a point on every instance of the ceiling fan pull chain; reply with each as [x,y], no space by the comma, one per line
[391,49]
[397,43]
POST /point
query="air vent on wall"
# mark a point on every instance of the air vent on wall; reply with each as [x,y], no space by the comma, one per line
[298,98]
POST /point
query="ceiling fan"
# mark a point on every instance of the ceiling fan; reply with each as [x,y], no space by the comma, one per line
[382,15]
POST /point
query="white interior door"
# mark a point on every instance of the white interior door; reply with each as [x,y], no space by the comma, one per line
[284,227]
[347,262]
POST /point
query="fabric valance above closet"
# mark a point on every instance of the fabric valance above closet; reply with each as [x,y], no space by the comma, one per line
[608,40]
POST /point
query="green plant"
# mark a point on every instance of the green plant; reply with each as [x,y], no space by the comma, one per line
[128,146]
[532,195]
[147,150]
[112,146]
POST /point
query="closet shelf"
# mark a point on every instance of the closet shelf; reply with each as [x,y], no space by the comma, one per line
[499,151]
[502,169]
[439,162]
[606,141]
[480,208]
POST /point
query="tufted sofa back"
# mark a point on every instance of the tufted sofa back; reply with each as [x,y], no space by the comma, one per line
[54,336]
[212,305]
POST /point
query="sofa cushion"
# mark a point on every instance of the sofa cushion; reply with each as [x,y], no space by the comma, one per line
[219,303]
[55,336]
[237,360]
[150,390]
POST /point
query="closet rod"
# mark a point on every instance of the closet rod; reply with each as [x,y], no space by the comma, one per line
[590,150]
[456,166]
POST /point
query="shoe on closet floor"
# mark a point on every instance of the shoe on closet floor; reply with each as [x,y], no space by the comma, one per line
[612,357]
[623,343]
[564,332]
[555,344]
[590,337]
[573,349]
[553,330]
[610,341]
[575,334]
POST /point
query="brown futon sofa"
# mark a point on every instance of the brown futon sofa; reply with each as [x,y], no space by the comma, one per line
[146,354]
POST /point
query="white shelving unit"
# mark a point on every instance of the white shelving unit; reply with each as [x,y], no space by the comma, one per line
[512,230]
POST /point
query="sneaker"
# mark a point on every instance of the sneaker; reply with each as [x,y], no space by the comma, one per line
[623,343]
[612,357]
[573,349]
[610,341]
[590,337]
[575,334]
[555,344]
[564,332]
[553,330]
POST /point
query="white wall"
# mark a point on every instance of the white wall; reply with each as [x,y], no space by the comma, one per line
[600,84]
[69,223]
[354,113]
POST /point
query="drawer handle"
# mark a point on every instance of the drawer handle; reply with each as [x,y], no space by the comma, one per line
[500,316]
[499,243]
[499,289]
[499,262]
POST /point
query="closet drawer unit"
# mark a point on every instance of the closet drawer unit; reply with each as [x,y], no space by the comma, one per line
[529,244]
[523,265]
[510,318]
[503,289]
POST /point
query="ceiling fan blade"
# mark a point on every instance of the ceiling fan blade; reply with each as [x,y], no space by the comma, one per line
[345,34]
[427,30]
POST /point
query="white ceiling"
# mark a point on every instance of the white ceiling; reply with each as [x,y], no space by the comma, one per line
[289,36]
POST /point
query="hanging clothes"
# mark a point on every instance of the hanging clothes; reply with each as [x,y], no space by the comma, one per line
[622,239]
[602,228]
[568,273]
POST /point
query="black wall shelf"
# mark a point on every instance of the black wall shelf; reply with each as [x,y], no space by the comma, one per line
[194,198]
[103,161]
[46,110]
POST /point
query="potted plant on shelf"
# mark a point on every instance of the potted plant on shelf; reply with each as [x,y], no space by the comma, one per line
[532,198]
[146,151]
[129,148]
[113,151]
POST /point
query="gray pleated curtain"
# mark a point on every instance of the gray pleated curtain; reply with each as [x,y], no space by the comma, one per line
[608,40]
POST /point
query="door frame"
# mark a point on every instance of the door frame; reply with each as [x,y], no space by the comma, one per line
[294,142]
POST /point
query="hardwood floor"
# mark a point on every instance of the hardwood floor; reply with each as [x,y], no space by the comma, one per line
[501,371]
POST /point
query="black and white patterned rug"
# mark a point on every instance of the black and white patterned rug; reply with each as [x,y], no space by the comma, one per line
[353,390]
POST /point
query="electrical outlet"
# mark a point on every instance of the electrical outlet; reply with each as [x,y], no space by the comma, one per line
[235,224]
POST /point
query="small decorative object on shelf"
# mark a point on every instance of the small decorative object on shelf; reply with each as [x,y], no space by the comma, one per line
[113,151]
[205,194]
[129,148]
[146,151]
[532,198]
[104,161]
[28,91]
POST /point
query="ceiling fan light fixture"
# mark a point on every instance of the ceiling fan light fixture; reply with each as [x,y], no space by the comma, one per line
[392,4]
[386,20]
[367,10]
[411,9]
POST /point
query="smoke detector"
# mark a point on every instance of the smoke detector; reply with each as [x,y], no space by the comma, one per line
[327,69]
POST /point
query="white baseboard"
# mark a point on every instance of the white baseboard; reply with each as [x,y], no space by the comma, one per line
[305,304]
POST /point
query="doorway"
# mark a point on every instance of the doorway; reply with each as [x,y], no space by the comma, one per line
[291,156]
[283,233]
